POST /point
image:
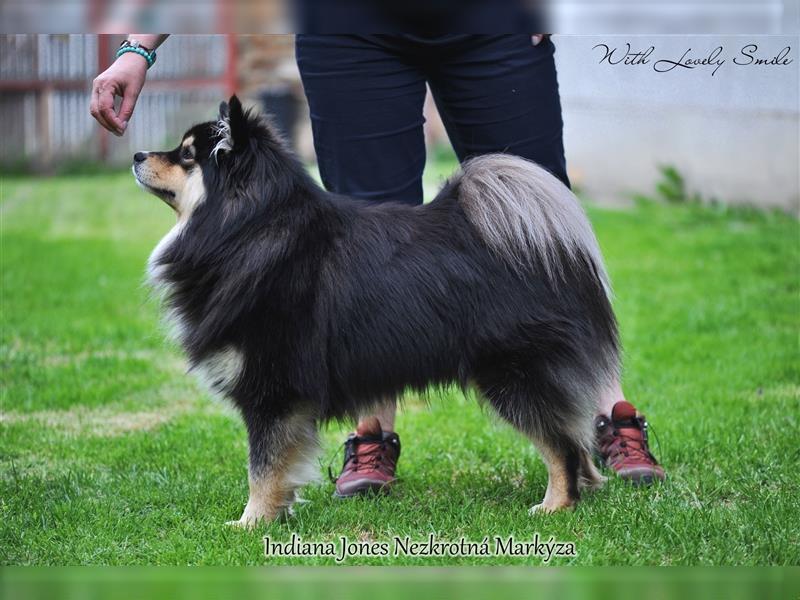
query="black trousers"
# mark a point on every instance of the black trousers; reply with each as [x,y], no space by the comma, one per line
[366,94]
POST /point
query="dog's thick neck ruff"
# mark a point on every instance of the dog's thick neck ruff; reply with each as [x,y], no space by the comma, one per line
[300,305]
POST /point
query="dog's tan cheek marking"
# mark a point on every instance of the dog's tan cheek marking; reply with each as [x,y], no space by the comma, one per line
[191,194]
[170,175]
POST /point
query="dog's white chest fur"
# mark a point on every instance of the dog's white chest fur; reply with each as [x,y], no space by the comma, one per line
[218,371]
[175,324]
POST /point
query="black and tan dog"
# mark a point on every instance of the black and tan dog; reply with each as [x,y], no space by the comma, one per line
[302,306]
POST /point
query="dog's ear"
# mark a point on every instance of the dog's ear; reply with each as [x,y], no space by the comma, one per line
[231,127]
[238,123]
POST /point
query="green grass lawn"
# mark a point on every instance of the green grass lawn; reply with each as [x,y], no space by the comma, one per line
[110,454]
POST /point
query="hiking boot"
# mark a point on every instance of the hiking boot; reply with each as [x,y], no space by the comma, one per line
[622,445]
[370,459]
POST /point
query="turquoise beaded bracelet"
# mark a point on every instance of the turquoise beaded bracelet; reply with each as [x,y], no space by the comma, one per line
[150,57]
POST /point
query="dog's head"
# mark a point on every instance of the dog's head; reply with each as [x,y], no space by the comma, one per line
[213,162]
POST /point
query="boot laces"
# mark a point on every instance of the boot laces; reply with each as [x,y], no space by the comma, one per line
[630,444]
[368,460]
[361,461]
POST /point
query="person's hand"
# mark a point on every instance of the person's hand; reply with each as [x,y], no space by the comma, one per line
[537,38]
[125,78]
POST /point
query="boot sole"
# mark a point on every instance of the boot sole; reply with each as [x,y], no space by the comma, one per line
[365,486]
[640,477]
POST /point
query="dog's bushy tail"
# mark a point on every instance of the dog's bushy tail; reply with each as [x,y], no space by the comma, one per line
[534,223]
[527,216]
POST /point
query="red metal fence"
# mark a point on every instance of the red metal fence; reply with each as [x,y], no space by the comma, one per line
[45,83]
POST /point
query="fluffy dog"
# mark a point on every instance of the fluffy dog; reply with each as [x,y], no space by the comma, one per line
[302,306]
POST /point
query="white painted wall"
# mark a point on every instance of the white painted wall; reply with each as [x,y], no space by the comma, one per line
[734,135]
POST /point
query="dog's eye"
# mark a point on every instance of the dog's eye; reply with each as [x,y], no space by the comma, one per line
[187,154]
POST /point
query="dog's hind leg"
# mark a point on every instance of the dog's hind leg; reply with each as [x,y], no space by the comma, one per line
[282,458]
[563,464]
[589,478]
[562,456]
[550,415]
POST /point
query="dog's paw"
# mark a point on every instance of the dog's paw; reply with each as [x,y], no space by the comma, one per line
[247,522]
[548,508]
[251,519]
[592,484]
[538,509]
[238,524]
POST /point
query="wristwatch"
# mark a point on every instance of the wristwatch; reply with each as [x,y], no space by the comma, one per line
[135,46]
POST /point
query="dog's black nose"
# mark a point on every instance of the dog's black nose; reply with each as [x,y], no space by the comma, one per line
[139,156]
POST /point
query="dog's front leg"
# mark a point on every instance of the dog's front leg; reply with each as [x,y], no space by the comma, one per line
[282,458]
